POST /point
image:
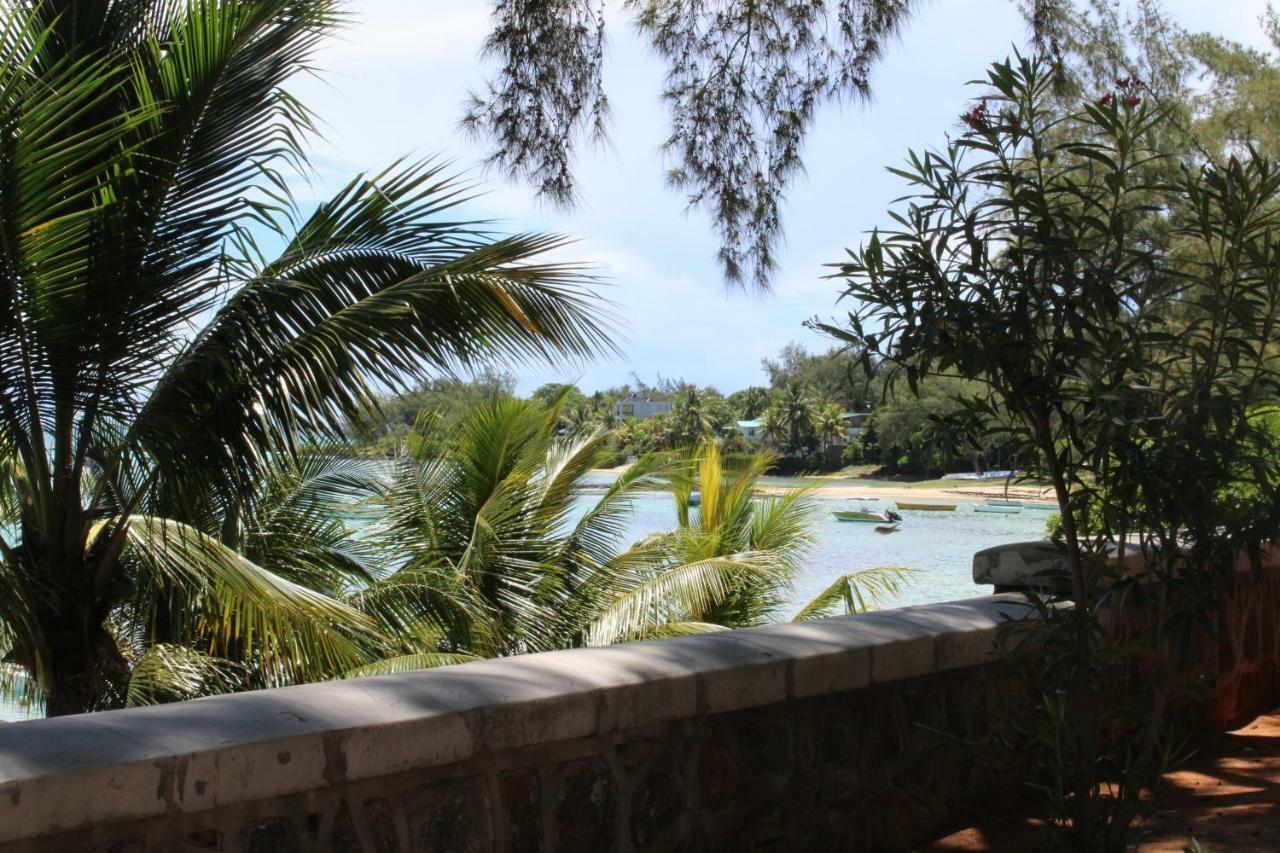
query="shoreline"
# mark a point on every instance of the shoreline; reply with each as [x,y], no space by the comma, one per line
[870,490]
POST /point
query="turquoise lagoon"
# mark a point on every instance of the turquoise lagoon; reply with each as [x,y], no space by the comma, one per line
[940,544]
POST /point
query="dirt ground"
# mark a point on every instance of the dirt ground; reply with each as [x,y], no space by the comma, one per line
[1226,798]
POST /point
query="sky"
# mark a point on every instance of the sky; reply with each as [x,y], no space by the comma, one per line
[393,86]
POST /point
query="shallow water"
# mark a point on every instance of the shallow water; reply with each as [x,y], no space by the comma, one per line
[941,544]
[11,708]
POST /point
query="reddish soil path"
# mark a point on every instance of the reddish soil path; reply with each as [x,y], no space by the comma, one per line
[1227,797]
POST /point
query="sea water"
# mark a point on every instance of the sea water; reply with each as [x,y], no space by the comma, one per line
[940,545]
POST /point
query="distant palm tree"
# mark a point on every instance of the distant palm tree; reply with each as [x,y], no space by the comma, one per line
[794,416]
[691,423]
[829,425]
[156,364]
[773,426]
[755,400]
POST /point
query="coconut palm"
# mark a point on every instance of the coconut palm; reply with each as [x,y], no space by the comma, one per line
[156,361]
[753,401]
[773,426]
[793,412]
[508,548]
[829,425]
[299,525]
[691,423]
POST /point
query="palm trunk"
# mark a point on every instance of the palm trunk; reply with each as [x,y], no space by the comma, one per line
[87,671]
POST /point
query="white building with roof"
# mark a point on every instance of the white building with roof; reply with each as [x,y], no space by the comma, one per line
[635,408]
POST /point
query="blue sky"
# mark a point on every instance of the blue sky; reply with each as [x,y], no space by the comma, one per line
[394,85]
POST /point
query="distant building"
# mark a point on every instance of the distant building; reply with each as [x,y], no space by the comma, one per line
[853,424]
[638,409]
[751,431]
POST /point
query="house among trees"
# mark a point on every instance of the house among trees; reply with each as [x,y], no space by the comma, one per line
[752,430]
[640,409]
[853,424]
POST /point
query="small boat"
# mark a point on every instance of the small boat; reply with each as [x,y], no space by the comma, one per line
[859,515]
[927,507]
[999,502]
[1000,508]
[1049,505]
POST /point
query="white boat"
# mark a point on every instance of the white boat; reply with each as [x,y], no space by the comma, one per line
[1000,508]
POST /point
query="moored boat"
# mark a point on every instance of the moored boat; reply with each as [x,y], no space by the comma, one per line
[859,515]
[927,507]
[1004,509]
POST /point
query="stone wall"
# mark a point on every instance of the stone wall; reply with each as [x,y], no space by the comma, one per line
[822,735]
[1241,658]
[853,733]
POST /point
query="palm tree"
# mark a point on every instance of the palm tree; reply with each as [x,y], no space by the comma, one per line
[755,400]
[732,560]
[794,415]
[156,362]
[690,421]
[505,555]
[829,425]
[773,426]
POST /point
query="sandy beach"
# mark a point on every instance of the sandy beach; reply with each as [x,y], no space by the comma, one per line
[853,488]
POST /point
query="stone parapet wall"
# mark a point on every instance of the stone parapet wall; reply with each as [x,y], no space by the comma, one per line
[1241,659]
[820,735]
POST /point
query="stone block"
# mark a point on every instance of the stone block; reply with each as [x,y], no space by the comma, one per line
[1022,565]
[837,672]
[522,806]
[453,815]
[659,805]
[272,835]
[586,807]
[340,836]
[970,648]
[896,660]
[379,825]
[717,773]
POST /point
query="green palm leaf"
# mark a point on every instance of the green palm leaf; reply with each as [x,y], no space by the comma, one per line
[237,604]
[858,592]
[410,663]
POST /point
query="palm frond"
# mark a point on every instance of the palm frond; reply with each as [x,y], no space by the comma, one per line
[858,592]
[677,593]
[237,605]
[171,673]
[410,663]
[302,344]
